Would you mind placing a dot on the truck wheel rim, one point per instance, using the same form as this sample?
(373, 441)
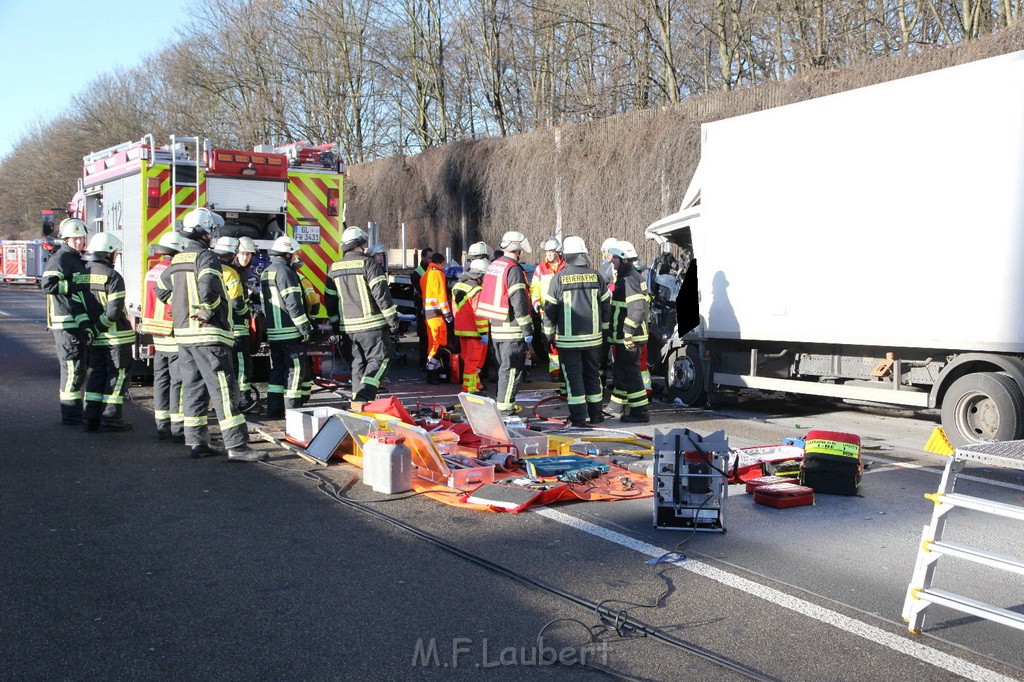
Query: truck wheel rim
(977, 416)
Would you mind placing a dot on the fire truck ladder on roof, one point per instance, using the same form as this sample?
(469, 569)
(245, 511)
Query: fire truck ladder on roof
(175, 162)
(920, 593)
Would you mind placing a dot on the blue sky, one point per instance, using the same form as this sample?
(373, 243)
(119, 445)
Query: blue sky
(52, 49)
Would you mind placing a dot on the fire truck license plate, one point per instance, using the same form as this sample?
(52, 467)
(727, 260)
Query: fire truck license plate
(307, 234)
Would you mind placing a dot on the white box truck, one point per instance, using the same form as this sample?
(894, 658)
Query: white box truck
(865, 245)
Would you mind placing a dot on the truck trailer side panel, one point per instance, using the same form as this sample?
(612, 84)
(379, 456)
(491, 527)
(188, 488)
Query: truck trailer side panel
(890, 215)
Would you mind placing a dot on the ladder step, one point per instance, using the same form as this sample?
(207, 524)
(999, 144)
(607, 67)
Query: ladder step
(1010, 511)
(978, 556)
(973, 607)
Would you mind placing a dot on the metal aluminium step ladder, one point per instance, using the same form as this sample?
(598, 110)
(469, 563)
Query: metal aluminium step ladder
(920, 593)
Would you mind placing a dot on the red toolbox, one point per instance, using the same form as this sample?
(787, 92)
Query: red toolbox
(755, 483)
(784, 495)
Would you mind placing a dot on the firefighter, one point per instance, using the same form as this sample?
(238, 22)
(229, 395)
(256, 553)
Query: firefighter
(505, 301)
(577, 310)
(379, 254)
(478, 250)
(470, 328)
(193, 285)
(542, 274)
(156, 320)
(242, 348)
(628, 335)
(110, 353)
(226, 249)
(436, 312)
(417, 301)
(288, 329)
(64, 280)
(359, 304)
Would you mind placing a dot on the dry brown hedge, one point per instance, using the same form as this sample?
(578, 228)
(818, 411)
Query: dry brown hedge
(611, 178)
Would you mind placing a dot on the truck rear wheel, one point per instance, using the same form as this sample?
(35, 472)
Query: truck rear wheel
(684, 376)
(983, 406)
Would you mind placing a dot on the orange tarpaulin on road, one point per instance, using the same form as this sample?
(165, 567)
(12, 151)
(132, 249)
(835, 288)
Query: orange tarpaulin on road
(607, 487)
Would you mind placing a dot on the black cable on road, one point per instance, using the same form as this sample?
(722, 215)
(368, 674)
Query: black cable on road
(621, 620)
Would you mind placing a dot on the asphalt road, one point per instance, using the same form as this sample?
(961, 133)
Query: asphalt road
(124, 559)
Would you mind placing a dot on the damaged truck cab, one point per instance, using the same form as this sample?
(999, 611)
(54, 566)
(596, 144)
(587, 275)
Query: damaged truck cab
(848, 247)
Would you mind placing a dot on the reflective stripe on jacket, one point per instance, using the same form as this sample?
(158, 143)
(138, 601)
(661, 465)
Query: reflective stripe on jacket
(193, 285)
(630, 305)
(105, 302)
(577, 307)
(356, 294)
(283, 303)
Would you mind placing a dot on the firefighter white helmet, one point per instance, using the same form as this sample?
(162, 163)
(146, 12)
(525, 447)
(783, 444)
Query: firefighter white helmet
(226, 246)
(607, 244)
(551, 244)
(478, 266)
(478, 250)
(375, 249)
(103, 244)
(246, 245)
(352, 238)
(623, 249)
(573, 246)
(169, 244)
(197, 222)
(283, 246)
(515, 241)
(71, 228)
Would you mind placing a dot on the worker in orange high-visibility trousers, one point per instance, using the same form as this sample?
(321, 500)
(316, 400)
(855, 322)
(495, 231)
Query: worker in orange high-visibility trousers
(436, 313)
(471, 328)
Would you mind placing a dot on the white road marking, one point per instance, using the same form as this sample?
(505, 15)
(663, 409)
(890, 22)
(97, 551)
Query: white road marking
(935, 470)
(5, 314)
(871, 633)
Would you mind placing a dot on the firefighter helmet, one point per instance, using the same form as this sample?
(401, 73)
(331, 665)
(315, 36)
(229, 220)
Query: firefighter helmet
(573, 246)
(623, 249)
(226, 246)
(283, 246)
(551, 244)
(515, 241)
(197, 222)
(607, 244)
(352, 238)
(218, 220)
(103, 244)
(478, 266)
(478, 250)
(246, 245)
(170, 244)
(375, 249)
(71, 228)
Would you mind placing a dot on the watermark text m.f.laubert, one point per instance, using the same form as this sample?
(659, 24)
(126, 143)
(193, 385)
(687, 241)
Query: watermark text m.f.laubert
(467, 652)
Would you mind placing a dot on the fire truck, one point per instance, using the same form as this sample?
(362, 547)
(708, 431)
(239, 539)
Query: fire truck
(140, 190)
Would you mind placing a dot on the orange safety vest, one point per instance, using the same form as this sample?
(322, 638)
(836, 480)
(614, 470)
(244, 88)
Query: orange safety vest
(435, 292)
(494, 296)
(156, 315)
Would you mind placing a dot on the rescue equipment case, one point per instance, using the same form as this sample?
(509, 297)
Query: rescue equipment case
(783, 495)
(832, 463)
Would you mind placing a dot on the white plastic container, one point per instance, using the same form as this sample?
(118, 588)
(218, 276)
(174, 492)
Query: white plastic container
(387, 463)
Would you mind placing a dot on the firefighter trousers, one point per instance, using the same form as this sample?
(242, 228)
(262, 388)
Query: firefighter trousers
(473, 352)
(290, 380)
(167, 394)
(107, 383)
(437, 336)
(242, 362)
(371, 355)
(73, 356)
(581, 374)
(628, 389)
(206, 378)
(511, 356)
